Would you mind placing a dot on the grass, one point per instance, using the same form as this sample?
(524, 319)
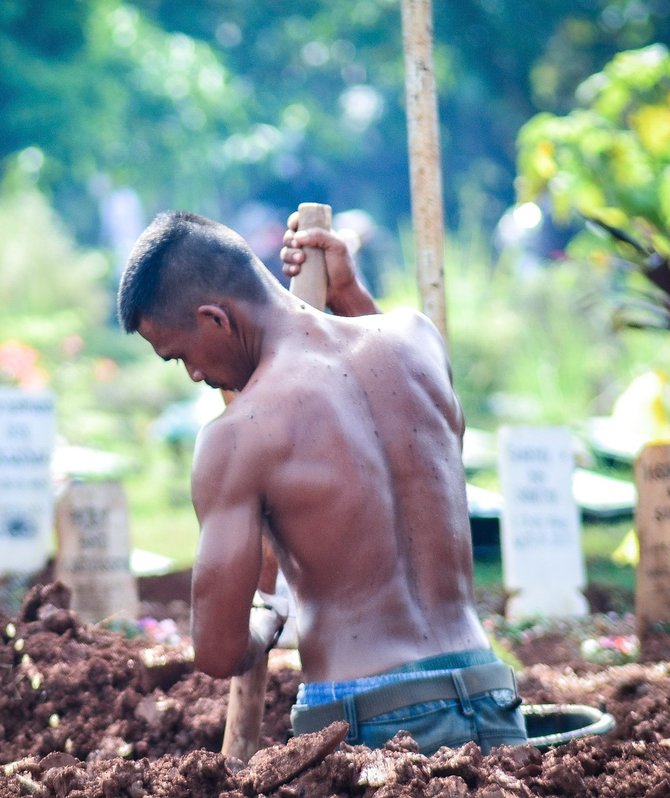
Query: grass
(162, 519)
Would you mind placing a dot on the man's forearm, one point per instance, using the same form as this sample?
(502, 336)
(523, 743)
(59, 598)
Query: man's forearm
(217, 655)
(355, 300)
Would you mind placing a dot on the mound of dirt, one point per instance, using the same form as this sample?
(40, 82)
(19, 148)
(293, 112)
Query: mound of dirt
(84, 712)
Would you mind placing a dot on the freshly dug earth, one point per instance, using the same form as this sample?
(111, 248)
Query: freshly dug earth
(82, 715)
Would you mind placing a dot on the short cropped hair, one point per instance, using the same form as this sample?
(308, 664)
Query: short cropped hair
(183, 260)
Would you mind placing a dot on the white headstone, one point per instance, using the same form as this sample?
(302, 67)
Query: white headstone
(27, 431)
(543, 562)
(94, 550)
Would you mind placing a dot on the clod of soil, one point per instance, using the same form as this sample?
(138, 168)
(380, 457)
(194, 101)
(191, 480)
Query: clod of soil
(79, 717)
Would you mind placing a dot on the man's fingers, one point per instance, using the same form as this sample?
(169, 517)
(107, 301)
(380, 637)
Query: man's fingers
(319, 238)
(289, 253)
(292, 253)
(289, 237)
(292, 222)
(291, 269)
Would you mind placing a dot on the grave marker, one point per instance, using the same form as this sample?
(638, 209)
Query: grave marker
(543, 563)
(27, 431)
(94, 550)
(652, 521)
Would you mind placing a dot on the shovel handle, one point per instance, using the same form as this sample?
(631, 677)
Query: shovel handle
(311, 283)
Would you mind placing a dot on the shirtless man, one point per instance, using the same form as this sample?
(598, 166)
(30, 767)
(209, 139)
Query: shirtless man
(344, 447)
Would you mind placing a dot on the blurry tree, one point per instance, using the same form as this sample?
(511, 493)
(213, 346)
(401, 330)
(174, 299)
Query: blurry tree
(121, 99)
(513, 58)
(323, 84)
(336, 73)
(608, 161)
(210, 104)
(50, 288)
(53, 326)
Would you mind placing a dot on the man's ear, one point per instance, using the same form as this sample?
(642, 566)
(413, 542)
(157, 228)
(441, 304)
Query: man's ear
(215, 314)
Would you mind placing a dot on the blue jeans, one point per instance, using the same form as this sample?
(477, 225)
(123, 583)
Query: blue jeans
(489, 719)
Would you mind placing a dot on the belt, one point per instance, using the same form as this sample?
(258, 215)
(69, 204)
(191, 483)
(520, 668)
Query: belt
(476, 679)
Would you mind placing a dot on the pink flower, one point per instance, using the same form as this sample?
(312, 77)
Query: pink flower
(19, 366)
(105, 369)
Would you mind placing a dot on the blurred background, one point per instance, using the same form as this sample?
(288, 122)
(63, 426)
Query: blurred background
(555, 132)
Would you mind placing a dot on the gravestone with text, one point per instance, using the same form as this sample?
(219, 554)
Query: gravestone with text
(94, 550)
(543, 562)
(652, 521)
(27, 432)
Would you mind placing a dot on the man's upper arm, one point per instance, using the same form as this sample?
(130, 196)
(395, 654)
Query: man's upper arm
(227, 502)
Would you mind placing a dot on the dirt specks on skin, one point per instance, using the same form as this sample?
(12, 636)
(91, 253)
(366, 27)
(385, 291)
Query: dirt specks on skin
(79, 718)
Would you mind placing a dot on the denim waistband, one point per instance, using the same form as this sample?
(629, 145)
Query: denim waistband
(315, 693)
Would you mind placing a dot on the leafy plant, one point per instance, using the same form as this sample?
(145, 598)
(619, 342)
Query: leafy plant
(608, 162)
(57, 328)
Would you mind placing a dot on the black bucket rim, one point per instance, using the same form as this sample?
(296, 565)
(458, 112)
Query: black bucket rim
(601, 722)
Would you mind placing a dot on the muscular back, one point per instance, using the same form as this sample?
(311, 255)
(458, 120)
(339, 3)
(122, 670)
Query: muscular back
(351, 440)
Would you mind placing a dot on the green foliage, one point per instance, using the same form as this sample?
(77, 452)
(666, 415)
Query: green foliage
(208, 105)
(609, 162)
(50, 288)
(162, 515)
(538, 349)
(56, 329)
(59, 308)
(532, 348)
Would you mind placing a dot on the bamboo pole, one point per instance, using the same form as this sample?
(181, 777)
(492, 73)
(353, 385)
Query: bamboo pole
(424, 159)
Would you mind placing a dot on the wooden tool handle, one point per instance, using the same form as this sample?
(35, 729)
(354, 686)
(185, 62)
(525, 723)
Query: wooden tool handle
(312, 282)
(244, 716)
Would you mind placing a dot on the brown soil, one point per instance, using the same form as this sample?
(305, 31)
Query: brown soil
(82, 715)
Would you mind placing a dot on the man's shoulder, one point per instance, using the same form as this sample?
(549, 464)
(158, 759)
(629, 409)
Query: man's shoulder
(404, 315)
(241, 417)
(406, 324)
(237, 450)
(249, 423)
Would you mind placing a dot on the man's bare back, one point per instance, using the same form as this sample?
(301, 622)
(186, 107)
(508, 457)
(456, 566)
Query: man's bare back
(343, 448)
(354, 457)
